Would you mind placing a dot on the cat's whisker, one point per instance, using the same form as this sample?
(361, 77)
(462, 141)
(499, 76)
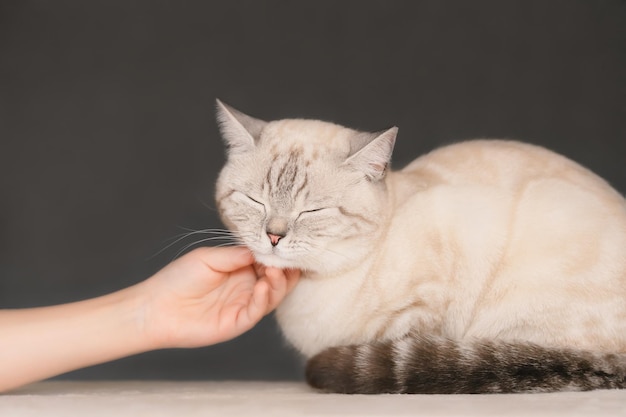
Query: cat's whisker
(232, 242)
(221, 245)
(221, 234)
(211, 230)
(190, 232)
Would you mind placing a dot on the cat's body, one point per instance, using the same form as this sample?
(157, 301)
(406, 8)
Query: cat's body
(473, 252)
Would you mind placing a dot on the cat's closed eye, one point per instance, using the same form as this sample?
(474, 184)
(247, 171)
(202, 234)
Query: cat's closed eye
(254, 200)
(312, 211)
(247, 199)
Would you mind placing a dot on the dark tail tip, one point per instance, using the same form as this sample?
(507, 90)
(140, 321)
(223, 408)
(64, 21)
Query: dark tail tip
(332, 370)
(355, 369)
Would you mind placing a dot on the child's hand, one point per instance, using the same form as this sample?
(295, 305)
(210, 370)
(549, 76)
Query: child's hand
(210, 295)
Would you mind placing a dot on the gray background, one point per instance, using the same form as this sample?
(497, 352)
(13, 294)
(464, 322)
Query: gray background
(109, 146)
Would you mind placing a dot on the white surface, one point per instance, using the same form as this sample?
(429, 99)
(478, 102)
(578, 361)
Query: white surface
(276, 399)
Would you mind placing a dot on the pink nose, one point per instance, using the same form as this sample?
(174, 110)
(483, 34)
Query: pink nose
(274, 238)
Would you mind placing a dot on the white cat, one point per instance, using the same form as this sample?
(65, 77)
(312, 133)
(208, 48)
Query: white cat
(485, 266)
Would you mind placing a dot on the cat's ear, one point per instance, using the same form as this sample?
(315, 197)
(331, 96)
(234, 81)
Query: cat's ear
(240, 131)
(370, 153)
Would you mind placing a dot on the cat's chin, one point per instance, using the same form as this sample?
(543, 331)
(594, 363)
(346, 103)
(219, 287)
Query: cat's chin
(275, 261)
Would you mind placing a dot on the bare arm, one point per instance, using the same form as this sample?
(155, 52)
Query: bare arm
(208, 296)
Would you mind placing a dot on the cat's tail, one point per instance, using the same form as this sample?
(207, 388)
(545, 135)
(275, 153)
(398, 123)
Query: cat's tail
(417, 365)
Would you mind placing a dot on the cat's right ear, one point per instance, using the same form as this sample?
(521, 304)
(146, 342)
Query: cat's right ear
(240, 131)
(371, 153)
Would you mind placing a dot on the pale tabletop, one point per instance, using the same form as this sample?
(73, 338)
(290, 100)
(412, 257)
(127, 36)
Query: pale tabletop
(276, 399)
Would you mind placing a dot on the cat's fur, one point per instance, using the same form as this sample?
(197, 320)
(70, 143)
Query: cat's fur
(484, 266)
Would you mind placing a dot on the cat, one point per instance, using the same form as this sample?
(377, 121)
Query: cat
(486, 266)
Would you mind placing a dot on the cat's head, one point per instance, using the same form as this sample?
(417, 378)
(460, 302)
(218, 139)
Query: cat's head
(303, 193)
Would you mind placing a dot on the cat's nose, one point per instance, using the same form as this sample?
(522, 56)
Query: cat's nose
(274, 238)
(276, 229)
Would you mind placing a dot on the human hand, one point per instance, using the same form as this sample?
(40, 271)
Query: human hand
(210, 295)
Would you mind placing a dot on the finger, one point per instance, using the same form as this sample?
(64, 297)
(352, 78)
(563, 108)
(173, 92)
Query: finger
(258, 305)
(274, 276)
(277, 282)
(259, 269)
(293, 276)
(225, 259)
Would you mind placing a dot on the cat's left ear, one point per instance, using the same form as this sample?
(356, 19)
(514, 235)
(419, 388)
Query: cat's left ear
(371, 153)
(240, 131)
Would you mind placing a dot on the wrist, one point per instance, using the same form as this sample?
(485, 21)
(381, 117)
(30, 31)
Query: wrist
(148, 317)
(122, 322)
(139, 305)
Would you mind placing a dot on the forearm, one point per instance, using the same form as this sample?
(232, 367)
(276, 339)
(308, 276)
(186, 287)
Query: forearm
(42, 342)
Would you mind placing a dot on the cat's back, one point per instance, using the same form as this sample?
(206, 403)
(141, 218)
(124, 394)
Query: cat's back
(504, 164)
